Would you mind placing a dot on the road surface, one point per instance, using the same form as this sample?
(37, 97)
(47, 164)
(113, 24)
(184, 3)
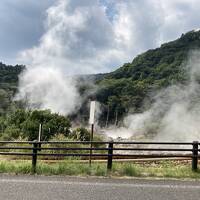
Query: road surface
(59, 188)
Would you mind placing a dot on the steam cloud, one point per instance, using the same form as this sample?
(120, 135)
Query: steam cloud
(48, 88)
(175, 115)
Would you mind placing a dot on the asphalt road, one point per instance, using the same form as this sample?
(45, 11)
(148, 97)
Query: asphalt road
(59, 188)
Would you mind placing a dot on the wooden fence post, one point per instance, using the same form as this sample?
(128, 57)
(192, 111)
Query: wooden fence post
(34, 157)
(110, 156)
(195, 155)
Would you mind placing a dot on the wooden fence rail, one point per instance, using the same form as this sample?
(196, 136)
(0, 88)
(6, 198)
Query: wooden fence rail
(109, 150)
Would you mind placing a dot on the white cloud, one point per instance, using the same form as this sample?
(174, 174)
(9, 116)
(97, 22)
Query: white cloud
(180, 16)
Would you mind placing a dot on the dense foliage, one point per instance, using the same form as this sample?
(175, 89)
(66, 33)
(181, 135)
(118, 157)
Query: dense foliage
(8, 86)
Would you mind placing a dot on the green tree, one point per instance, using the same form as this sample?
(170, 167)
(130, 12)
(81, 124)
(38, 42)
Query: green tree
(25, 124)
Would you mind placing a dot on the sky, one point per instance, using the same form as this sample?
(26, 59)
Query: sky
(89, 36)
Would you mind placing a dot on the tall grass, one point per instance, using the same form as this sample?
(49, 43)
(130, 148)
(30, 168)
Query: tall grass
(67, 167)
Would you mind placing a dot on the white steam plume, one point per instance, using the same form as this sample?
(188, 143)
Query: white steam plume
(175, 115)
(48, 88)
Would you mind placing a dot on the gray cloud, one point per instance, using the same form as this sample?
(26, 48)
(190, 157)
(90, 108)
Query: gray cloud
(77, 37)
(21, 25)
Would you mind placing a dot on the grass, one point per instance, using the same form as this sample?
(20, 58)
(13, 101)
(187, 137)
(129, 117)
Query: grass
(162, 169)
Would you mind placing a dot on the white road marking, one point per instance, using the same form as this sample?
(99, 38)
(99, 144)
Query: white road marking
(131, 185)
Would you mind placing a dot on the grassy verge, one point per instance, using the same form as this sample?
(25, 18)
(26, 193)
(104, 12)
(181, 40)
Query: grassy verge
(161, 169)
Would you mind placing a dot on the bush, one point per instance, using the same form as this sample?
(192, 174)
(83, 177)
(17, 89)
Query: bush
(11, 132)
(81, 134)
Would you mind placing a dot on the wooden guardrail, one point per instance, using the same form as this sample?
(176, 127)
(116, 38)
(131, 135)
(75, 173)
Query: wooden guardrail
(109, 150)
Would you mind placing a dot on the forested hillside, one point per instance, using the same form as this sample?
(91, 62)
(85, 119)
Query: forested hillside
(8, 85)
(128, 88)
